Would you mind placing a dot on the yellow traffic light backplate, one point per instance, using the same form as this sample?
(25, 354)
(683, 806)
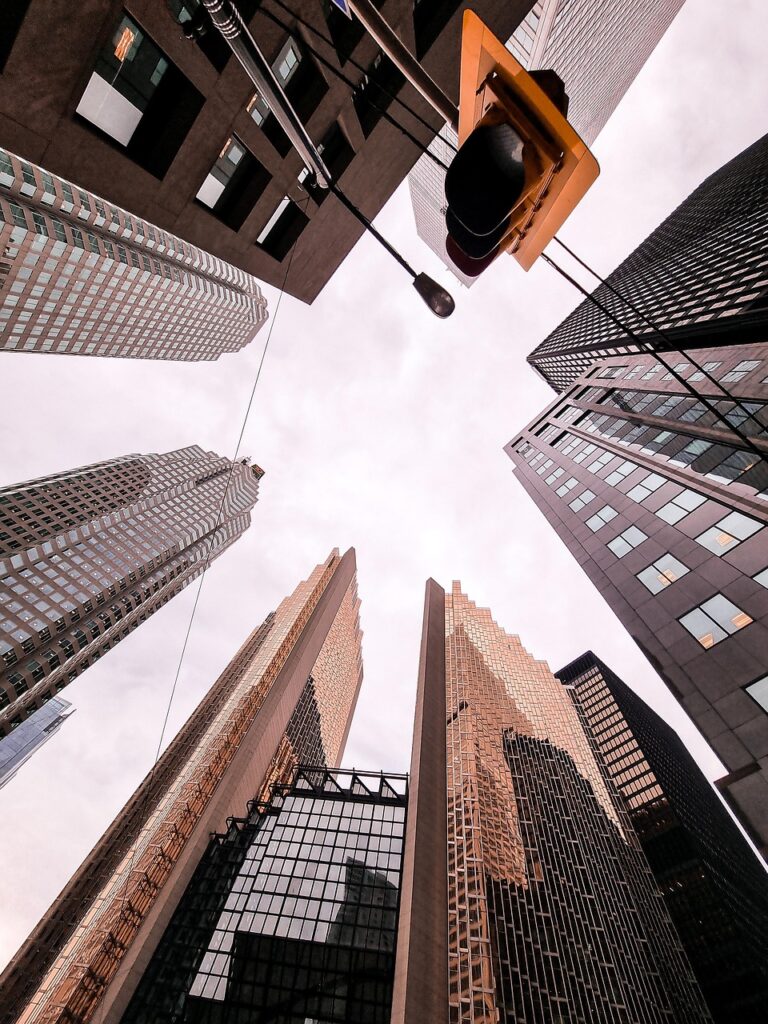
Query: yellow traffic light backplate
(492, 78)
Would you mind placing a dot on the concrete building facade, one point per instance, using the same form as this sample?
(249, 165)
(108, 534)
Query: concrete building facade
(715, 888)
(88, 555)
(80, 276)
(662, 497)
(286, 697)
(598, 47)
(171, 129)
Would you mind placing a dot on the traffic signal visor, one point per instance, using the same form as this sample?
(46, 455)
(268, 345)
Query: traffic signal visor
(520, 169)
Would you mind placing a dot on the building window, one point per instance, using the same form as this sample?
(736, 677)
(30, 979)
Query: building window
(647, 486)
(621, 472)
(283, 228)
(138, 98)
(583, 499)
(714, 620)
(610, 372)
(234, 184)
(706, 367)
(564, 489)
(762, 578)
(554, 476)
(758, 691)
(626, 541)
(598, 521)
(680, 506)
(298, 74)
(740, 370)
(661, 573)
(728, 533)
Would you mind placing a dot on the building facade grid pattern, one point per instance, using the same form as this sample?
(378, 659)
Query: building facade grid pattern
(80, 276)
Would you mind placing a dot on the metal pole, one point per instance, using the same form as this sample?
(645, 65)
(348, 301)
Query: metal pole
(227, 20)
(403, 59)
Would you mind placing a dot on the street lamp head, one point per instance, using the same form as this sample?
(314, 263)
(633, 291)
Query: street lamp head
(436, 297)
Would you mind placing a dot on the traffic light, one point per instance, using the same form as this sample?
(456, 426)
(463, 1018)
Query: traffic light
(521, 168)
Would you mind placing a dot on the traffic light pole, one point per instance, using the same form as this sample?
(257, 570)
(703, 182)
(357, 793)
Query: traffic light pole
(403, 59)
(226, 18)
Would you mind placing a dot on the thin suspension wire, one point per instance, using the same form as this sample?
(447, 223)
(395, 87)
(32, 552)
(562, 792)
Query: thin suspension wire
(354, 85)
(652, 325)
(212, 535)
(646, 348)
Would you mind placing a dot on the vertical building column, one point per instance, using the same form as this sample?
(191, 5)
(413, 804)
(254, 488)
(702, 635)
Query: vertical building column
(421, 970)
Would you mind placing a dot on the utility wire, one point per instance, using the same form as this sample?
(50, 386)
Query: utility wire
(212, 535)
(657, 330)
(645, 346)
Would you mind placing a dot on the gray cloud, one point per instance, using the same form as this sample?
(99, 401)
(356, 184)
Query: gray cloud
(378, 426)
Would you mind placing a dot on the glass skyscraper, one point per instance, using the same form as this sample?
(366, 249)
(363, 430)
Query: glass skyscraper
(700, 277)
(89, 554)
(597, 47)
(80, 276)
(285, 699)
(552, 912)
(714, 887)
(291, 914)
(30, 735)
(662, 497)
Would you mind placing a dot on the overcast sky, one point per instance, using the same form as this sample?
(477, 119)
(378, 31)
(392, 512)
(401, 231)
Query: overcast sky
(379, 427)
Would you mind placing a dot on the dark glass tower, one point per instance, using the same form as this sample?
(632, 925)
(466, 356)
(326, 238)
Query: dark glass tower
(665, 507)
(700, 277)
(544, 909)
(291, 914)
(714, 886)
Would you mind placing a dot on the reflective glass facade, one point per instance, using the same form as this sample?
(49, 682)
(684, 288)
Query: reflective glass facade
(31, 735)
(87, 555)
(681, 554)
(701, 277)
(80, 276)
(292, 913)
(714, 886)
(598, 47)
(552, 912)
(289, 692)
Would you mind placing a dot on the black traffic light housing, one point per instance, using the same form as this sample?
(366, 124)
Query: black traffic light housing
(520, 168)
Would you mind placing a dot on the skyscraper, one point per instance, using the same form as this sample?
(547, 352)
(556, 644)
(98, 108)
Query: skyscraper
(30, 735)
(598, 47)
(287, 697)
(664, 507)
(700, 277)
(80, 276)
(715, 889)
(292, 914)
(172, 129)
(87, 555)
(545, 909)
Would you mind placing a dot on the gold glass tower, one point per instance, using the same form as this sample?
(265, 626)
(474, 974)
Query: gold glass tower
(286, 697)
(544, 908)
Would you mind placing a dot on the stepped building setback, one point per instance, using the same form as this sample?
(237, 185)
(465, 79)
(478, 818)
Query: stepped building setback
(715, 888)
(285, 699)
(79, 276)
(88, 555)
